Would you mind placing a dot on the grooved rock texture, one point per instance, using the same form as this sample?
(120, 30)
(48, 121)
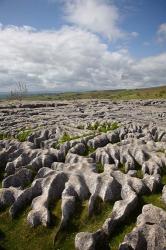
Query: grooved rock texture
(150, 230)
(73, 158)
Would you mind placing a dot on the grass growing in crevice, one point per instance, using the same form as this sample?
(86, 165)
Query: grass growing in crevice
(20, 136)
(16, 234)
(126, 227)
(1, 178)
(121, 167)
(2, 170)
(163, 179)
(56, 145)
(66, 137)
(4, 136)
(99, 167)
(139, 170)
(89, 150)
(102, 210)
(93, 126)
(81, 222)
(34, 172)
(103, 127)
(113, 126)
(120, 233)
(55, 209)
(154, 199)
(139, 174)
(163, 176)
(23, 135)
(162, 150)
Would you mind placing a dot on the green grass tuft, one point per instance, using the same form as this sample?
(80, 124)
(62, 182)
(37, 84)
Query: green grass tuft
(103, 127)
(120, 233)
(122, 168)
(16, 234)
(154, 199)
(99, 167)
(81, 222)
(4, 136)
(23, 135)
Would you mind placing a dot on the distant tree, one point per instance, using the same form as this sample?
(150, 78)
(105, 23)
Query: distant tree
(19, 93)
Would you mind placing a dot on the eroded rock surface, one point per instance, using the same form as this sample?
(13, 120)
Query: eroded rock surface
(150, 231)
(73, 158)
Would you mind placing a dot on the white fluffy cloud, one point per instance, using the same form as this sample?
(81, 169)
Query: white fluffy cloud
(161, 33)
(98, 16)
(69, 59)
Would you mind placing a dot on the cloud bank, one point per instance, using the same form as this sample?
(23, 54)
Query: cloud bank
(69, 59)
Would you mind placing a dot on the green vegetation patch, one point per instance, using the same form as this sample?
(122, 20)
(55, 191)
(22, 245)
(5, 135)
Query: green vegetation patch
(154, 199)
(4, 136)
(120, 233)
(122, 168)
(81, 222)
(23, 135)
(139, 170)
(64, 138)
(139, 174)
(1, 178)
(123, 94)
(163, 179)
(89, 150)
(126, 227)
(99, 167)
(20, 136)
(16, 234)
(67, 137)
(103, 127)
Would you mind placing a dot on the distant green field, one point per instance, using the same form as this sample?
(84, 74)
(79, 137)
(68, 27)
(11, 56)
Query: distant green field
(147, 93)
(123, 94)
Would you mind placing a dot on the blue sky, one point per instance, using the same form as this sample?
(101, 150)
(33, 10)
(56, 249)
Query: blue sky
(125, 31)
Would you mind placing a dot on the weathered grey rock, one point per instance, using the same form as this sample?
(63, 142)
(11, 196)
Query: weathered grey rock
(79, 149)
(44, 160)
(21, 179)
(8, 196)
(52, 188)
(113, 137)
(150, 230)
(68, 204)
(91, 241)
(43, 172)
(132, 173)
(152, 182)
(136, 184)
(66, 173)
(121, 209)
(98, 141)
